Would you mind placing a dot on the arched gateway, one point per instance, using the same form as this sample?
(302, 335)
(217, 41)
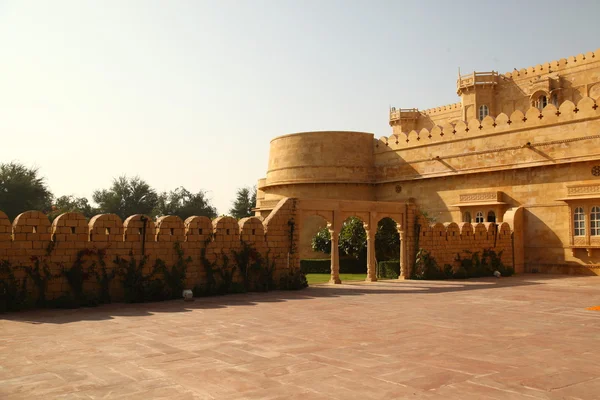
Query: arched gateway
(335, 212)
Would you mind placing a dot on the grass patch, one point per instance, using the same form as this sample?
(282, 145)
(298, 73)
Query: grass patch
(324, 278)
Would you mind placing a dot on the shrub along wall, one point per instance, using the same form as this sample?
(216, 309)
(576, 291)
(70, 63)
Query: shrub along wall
(461, 250)
(388, 269)
(75, 262)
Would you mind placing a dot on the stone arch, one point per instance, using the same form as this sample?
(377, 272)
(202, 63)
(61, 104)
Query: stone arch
(389, 250)
(169, 228)
(310, 223)
(534, 99)
(397, 218)
(105, 228)
(365, 217)
(326, 215)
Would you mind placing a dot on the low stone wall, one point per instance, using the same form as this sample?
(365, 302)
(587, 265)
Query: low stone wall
(31, 237)
(445, 241)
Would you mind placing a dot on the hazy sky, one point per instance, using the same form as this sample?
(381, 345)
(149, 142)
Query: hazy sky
(189, 93)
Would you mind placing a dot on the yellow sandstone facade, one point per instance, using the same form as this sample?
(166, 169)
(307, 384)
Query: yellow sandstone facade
(519, 154)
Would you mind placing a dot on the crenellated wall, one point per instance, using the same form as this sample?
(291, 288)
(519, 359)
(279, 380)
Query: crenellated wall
(31, 233)
(567, 112)
(571, 79)
(542, 161)
(445, 240)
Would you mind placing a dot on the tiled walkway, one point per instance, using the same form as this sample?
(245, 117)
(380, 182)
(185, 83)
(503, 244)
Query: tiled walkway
(511, 338)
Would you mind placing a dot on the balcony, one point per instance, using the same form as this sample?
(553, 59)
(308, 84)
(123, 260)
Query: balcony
(397, 114)
(470, 81)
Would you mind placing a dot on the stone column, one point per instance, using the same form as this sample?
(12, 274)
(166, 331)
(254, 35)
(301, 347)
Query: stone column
(335, 257)
(404, 273)
(371, 267)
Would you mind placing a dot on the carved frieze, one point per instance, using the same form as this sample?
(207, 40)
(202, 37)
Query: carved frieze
(486, 196)
(583, 189)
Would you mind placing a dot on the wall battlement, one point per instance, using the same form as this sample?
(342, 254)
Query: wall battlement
(554, 66)
(586, 108)
(31, 234)
(444, 108)
(445, 241)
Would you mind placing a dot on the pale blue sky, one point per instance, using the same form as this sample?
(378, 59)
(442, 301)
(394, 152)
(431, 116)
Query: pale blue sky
(189, 93)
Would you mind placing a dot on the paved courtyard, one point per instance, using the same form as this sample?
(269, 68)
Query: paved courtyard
(511, 338)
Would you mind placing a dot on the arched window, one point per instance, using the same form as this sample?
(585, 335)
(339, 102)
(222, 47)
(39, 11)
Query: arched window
(491, 217)
(595, 221)
(479, 217)
(467, 217)
(541, 102)
(554, 100)
(484, 111)
(579, 222)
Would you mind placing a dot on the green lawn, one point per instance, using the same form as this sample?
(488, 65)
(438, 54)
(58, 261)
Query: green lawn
(323, 278)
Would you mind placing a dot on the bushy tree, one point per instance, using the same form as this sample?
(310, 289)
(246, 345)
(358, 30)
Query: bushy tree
(244, 202)
(65, 204)
(22, 189)
(127, 196)
(184, 204)
(387, 240)
(352, 239)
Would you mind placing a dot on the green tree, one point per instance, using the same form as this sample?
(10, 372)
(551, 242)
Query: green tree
(22, 189)
(184, 204)
(65, 204)
(127, 196)
(244, 202)
(353, 240)
(387, 240)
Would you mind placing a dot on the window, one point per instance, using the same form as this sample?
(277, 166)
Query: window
(467, 217)
(479, 217)
(541, 102)
(491, 217)
(483, 112)
(595, 221)
(554, 100)
(579, 222)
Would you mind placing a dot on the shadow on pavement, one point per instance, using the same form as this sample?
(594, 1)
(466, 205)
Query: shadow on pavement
(353, 288)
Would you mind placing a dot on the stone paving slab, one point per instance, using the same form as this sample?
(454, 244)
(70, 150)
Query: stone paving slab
(526, 337)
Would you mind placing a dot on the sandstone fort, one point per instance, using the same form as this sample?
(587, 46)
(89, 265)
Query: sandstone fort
(514, 166)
